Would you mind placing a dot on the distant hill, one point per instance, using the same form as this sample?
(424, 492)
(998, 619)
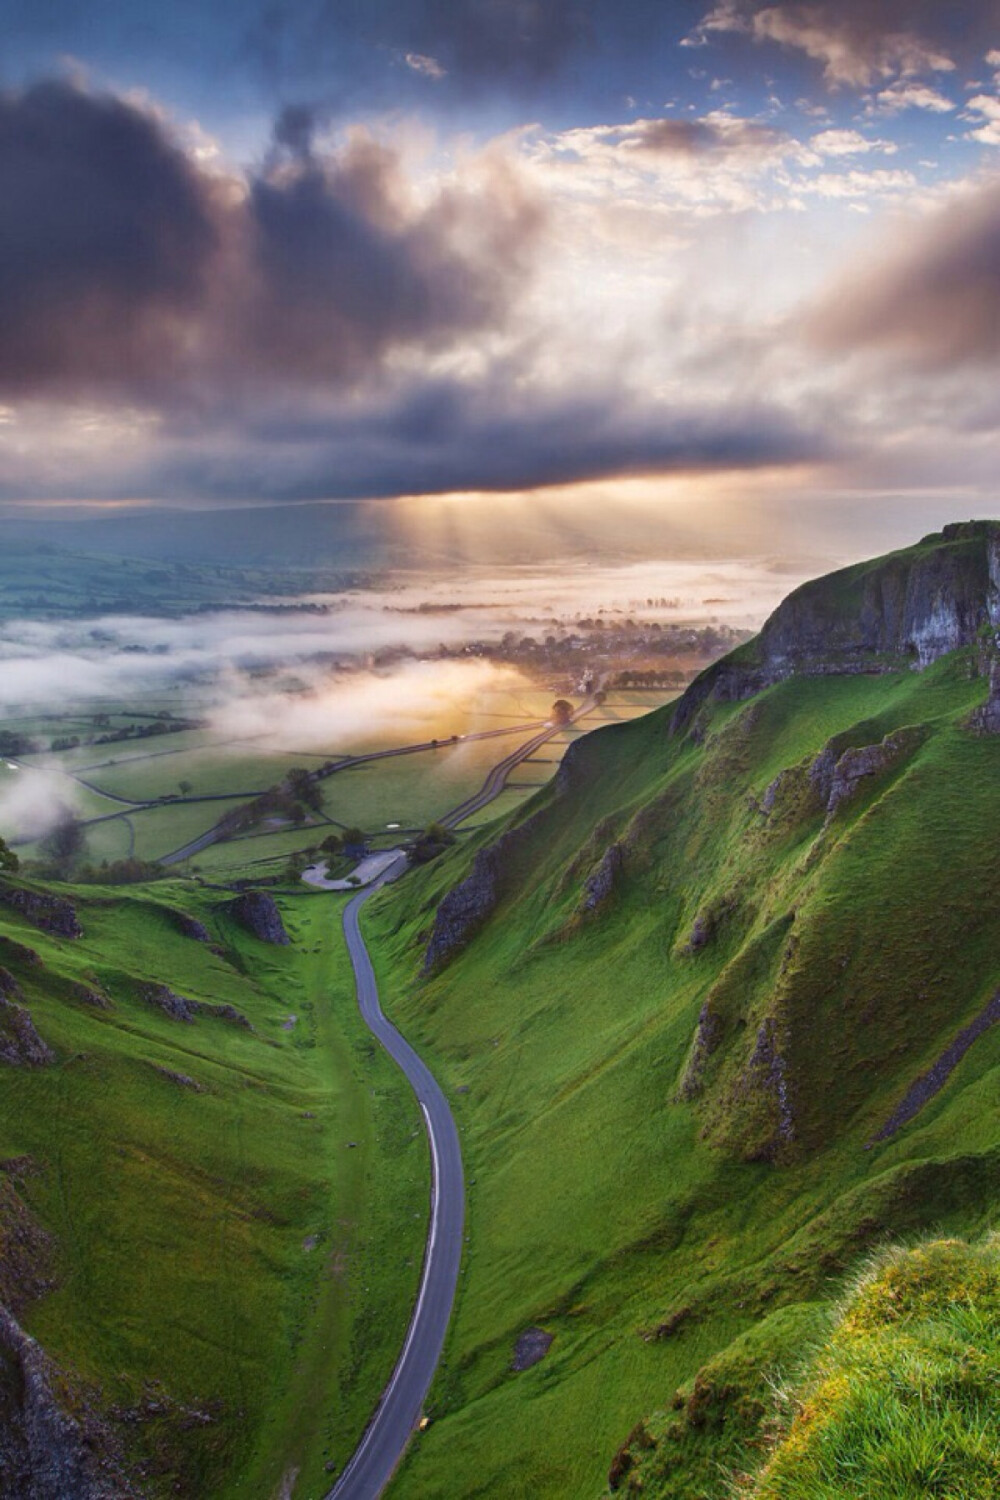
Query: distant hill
(719, 1012)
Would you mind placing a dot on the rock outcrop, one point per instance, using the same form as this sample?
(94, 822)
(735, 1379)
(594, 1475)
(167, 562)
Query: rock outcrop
(837, 774)
(706, 1038)
(766, 1077)
(18, 953)
(470, 903)
(905, 610)
(930, 1083)
(20, 1044)
(259, 914)
(179, 1008)
(190, 927)
(46, 1453)
(599, 887)
(987, 718)
(48, 913)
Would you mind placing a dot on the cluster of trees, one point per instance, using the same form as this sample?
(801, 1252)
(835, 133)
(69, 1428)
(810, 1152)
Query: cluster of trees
(434, 840)
(142, 731)
(13, 743)
(121, 872)
(650, 678)
(294, 798)
(9, 862)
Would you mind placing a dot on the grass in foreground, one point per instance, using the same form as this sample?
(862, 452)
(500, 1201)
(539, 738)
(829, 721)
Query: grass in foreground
(901, 1403)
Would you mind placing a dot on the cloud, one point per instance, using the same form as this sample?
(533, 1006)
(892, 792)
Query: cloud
(716, 135)
(415, 700)
(859, 43)
(35, 800)
(984, 112)
(503, 433)
(107, 237)
(428, 67)
(935, 301)
(849, 143)
(128, 268)
(908, 95)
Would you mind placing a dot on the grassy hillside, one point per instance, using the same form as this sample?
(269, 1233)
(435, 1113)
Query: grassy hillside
(671, 1064)
(900, 1402)
(232, 1214)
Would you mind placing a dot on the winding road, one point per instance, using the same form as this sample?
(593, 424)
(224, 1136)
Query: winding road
(371, 1466)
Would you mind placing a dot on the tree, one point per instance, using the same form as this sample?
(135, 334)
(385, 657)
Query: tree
(355, 842)
(9, 862)
(330, 845)
(562, 711)
(185, 787)
(304, 787)
(65, 845)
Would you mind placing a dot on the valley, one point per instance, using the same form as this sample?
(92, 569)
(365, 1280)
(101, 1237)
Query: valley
(710, 997)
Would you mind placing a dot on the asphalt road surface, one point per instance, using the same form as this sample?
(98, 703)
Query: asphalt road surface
(400, 1406)
(497, 778)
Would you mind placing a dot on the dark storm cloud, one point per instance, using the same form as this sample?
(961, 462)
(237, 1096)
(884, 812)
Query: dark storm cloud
(125, 269)
(936, 302)
(444, 437)
(344, 272)
(106, 235)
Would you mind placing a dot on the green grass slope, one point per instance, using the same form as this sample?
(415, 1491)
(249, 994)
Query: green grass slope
(234, 1214)
(670, 1076)
(900, 1402)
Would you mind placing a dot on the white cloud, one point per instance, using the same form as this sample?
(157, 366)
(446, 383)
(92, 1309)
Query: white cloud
(984, 113)
(849, 143)
(905, 95)
(857, 60)
(725, 17)
(428, 67)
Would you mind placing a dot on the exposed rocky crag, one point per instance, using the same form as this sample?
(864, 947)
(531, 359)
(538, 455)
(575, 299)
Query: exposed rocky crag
(837, 774)
(707, 1035)
(179, 1008)
(49, 913)
(766, 1076)
(468, 905)
(20, 1044)
(18, 953)
(259, 914)
(930, 1083)
(907, 609)
(190, 927)
(45, 1453)
(987, 718)
(599, 887)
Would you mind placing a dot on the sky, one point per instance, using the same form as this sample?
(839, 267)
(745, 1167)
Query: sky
(267, 250)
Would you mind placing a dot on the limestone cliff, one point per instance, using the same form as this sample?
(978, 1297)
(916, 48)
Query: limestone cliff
(904, 610)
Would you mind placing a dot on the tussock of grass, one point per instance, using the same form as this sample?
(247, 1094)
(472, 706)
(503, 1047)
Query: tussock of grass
(901, 1402)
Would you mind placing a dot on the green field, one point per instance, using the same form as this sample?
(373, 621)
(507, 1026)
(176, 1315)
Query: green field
(604, 1208)
(411, 790)
(248, 1250)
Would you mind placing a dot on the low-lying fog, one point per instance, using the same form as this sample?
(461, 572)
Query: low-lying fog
(300, 680)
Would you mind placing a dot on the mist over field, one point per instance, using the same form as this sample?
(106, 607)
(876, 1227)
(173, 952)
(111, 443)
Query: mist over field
(47, 663)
